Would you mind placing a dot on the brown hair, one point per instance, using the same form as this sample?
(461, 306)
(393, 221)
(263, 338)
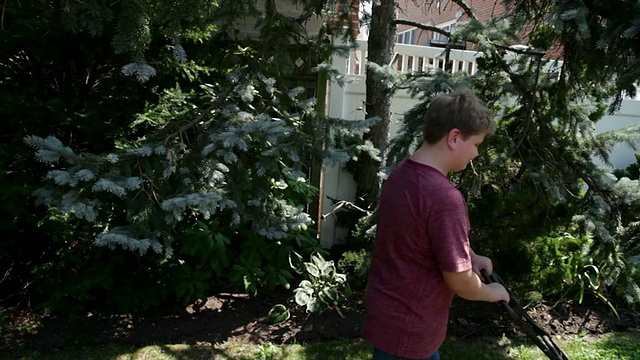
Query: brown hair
(460, 110)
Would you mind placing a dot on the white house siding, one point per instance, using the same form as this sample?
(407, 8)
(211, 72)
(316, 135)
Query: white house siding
(622, 155)
(336, 183)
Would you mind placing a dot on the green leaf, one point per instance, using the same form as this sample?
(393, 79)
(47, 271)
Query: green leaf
(296, 261)
(181, 289)
(331, 294)
(208, 244)
(302, 298)
(214, 263)
(314, 306)
(202, 274)
(221, 250)
(312, 269)
(278, 314)
(286, 273)
(318, 260)
(306, 284)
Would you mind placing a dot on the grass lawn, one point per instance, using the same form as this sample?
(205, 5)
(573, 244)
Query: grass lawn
(623, 346)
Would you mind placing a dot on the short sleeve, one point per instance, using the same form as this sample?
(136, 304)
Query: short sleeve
(448, 231)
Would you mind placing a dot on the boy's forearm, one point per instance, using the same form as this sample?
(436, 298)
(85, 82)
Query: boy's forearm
(467, 285)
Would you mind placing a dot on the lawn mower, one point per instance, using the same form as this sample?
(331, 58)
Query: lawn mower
(525, 322)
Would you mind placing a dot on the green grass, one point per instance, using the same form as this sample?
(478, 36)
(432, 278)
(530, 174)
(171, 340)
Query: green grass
(618, 346)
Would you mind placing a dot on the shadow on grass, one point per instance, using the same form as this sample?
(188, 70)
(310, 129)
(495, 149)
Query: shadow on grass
(608, 347)
(459, 349)
(617, 346)
(485, 348)
(338, 350)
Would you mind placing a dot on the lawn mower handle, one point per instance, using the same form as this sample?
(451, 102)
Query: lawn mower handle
(536, 333)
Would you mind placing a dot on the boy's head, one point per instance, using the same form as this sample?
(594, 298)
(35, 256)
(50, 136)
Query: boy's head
(460, 110)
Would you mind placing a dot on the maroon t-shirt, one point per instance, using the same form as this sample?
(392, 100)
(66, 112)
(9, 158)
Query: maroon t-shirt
(423, 230)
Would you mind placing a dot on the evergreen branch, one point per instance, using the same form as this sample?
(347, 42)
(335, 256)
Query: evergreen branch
(343, 203)
(421, 26)
(518, 50)
(151, 194)
(534, 107)
(511, 48)
(4, 8)
(579, 170)
(193, 123)
(522, 87)
(467, 9)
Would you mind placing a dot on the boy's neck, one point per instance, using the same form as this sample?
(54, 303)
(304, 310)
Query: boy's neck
(434, 155)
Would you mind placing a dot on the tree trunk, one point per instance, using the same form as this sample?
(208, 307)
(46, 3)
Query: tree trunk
(381, 43)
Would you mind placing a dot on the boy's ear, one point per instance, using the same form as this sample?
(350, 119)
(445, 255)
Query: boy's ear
(454, 136)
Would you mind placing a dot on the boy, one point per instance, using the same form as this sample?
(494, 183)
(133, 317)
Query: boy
(422, 255)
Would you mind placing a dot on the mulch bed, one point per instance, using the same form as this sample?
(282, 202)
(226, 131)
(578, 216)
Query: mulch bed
(238, 318)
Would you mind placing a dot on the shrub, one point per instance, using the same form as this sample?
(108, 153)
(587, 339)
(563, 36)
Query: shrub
(322, 286)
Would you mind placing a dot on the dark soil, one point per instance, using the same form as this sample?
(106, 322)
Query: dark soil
(233, 318)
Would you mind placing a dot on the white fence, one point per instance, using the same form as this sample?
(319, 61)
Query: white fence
(413, 58)
(347, 102)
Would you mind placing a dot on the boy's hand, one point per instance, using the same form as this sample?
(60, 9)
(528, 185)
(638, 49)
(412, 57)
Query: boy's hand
(479, 263)
(498, 292)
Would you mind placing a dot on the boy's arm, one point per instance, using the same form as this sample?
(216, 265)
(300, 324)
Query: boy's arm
(468, 285)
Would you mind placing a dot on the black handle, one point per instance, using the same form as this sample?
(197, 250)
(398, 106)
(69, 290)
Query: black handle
(494, 278)
(536, 333)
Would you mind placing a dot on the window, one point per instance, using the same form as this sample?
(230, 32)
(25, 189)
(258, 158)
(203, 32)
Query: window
(451, 28)
(440, 40)
(408, 37)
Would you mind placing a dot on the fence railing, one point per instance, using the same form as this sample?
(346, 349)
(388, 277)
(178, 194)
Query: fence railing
(416, 58)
